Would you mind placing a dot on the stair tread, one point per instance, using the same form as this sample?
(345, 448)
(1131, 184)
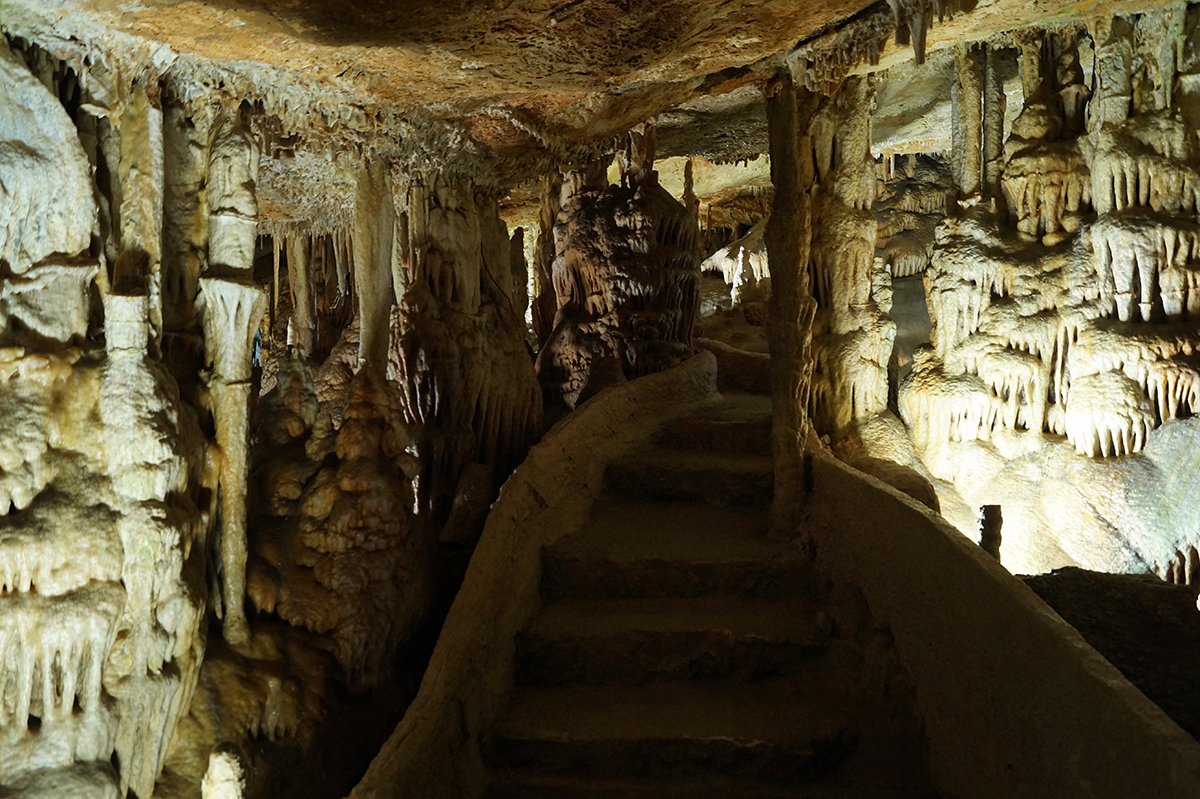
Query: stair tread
(735, 406)
(673, 530)
(521, 783)
(779, 710)
(684, 460)
(746, 617)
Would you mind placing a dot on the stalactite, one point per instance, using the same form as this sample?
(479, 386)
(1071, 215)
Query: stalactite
(907, 213)
(302, 325)
(141, 173)
(993, 121)
(374, 218)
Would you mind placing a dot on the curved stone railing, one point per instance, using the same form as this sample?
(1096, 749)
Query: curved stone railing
(434, 751)
(1014, 701)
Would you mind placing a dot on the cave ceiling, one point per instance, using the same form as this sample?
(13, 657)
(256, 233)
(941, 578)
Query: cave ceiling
(511, 78)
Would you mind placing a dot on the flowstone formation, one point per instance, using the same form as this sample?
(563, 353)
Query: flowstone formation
(1063, 303)
(626, 276)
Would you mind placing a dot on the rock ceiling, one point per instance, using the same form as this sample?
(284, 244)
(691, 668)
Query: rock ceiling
(508, 77)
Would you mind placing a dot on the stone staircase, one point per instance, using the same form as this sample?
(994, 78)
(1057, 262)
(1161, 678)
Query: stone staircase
(680, 653)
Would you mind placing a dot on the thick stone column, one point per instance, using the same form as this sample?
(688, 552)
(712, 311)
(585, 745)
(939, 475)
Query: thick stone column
(993, 122)
(966, 150)
(788, 238)
(233, 310)
(626, 275)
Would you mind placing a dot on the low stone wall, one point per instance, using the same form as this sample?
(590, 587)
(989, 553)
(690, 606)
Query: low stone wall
(1015, 702)
(434, 751)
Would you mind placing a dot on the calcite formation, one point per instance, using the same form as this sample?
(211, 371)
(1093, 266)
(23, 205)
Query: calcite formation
(626, 276)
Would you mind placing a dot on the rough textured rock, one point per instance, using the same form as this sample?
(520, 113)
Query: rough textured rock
(625, 274)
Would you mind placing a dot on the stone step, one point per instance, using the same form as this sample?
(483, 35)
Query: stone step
(630, 640)
(679, 549)
(531, 785)
(718, 478)
(790, 731)
(739, 423)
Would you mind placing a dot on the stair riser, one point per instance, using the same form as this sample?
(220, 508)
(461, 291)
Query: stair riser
(714, 486)
(650, 656)
(779, 762)
(596, 579)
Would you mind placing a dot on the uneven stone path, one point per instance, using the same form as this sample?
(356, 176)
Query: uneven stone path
(682, 653)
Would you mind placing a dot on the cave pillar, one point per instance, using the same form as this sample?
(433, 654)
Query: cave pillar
(374, 223)
(140, 166)
(545, 302)
(1114, 64)
(967, 96)
(233, 310)
(993, 122)
(788, 239)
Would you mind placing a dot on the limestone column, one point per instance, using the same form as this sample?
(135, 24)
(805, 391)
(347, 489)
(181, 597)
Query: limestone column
(545, 302)
(993, 122)
(233, 310)
(788, 238)
(141, 172)
(967, 126)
